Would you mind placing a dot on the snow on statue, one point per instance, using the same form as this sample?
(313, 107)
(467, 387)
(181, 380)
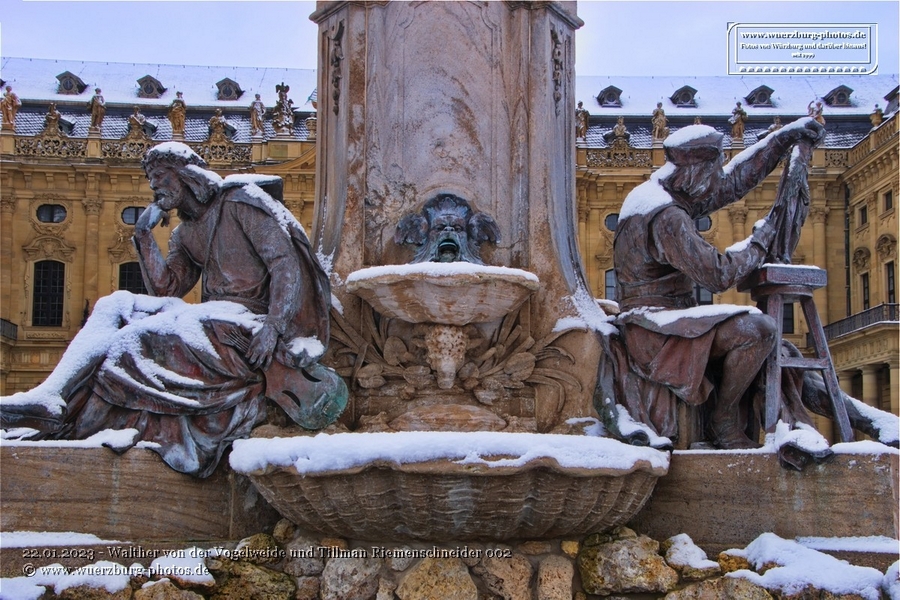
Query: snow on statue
(190, 379)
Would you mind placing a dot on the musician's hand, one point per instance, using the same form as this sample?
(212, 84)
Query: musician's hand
(262, 347)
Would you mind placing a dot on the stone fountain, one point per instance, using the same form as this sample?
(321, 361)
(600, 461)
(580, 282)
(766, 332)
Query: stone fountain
(446, 218)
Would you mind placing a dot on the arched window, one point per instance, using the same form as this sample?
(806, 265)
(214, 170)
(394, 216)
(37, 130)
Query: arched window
(130, 278)
(49, 288)
(611, 221)
(51, 213)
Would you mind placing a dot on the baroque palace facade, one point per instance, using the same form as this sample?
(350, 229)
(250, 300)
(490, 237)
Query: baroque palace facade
(71, 186)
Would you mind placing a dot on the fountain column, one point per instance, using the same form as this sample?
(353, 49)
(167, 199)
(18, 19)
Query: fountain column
(470, 98)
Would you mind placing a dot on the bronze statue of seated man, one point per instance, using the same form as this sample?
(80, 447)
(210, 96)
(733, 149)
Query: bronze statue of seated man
(668, 349)
(192, 378)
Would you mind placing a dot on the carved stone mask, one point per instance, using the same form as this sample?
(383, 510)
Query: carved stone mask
(447, 230)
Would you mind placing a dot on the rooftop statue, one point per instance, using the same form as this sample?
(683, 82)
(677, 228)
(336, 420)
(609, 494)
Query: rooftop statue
(192, 378)
(737, 120)
(177, 112)
(659, 121)
(9, 106)
(283, 113)
(815, 109)
(257, 116)
(97, 106)
(667, 349)
(582, 116)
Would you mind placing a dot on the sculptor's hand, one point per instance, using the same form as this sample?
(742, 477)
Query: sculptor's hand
(150, 218)
(262, 346)
(813, 131)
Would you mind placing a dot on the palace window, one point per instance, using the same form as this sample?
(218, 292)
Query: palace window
(864, 287)
(131, 214)
(704, 296)
(888, 200)
(611, 221)
(787, 318)
(610, 287)
(863, 215)
(49, 288)
(890, 282)
(51, 213)
(130, 278)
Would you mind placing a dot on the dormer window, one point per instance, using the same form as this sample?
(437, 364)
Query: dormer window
(229, 89)
(839, 96)
(684, 97)
(610, 97)
(149, 87)
(70, 84)
(761, 96)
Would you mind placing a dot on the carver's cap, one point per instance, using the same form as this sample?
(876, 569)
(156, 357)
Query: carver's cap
(693, 144)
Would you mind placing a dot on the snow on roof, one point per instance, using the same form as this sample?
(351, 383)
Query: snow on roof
(717, 95)
(35, 79)
(333, 452)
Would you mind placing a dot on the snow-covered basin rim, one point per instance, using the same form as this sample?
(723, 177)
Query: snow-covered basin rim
(445, 453)
(442, 274)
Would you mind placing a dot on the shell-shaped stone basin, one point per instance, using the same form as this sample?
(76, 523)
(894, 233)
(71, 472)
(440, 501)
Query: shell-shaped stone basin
(430, 486)
(456, 293)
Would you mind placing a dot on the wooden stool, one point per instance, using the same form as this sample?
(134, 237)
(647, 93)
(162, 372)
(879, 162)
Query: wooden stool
(771, 286)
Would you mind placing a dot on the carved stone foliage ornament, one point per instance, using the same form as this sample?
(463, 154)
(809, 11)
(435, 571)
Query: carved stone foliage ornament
(556, 55)
(862, 258)
(886, 247)
(47, 247)
(335, 58)
(493, 368)
(52, 142)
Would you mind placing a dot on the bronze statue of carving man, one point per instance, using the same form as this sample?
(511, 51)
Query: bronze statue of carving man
(192, 378)
(667, 348)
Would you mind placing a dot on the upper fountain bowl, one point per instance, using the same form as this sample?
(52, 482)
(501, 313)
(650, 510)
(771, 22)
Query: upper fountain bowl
(456, 293)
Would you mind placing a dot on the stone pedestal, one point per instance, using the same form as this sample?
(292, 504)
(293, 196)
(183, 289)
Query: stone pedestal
(473, 99)
(133, 497)
(727, 499)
